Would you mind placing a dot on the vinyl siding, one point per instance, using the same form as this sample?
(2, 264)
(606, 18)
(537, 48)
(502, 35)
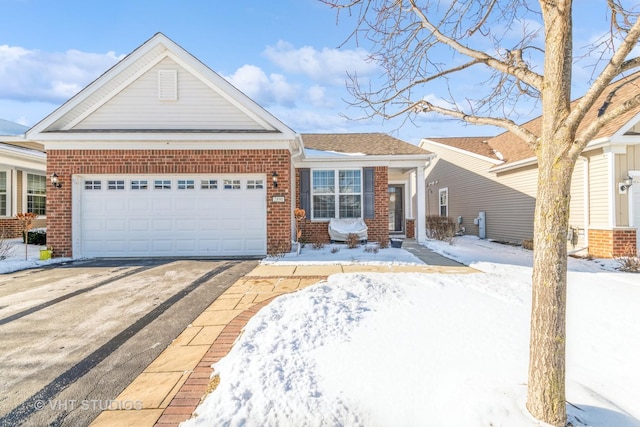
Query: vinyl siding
(599, 190)
(508, 199)
(198, 107)
(105, 90)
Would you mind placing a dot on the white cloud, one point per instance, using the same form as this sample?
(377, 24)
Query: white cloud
(33, 75)
(262, 88)
(316, 95)
(326, 65)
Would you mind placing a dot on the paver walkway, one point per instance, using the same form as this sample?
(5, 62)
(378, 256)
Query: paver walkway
(171, 387)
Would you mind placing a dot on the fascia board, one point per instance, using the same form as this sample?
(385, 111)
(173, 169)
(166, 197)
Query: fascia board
(426, 141)
(406, 161)
(170, 144)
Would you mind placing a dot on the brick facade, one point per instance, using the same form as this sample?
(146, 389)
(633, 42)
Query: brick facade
(318, 231)
(66, 163)
(611, 243)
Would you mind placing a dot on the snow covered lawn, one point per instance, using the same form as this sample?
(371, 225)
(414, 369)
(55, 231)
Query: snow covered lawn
(16, 259)
(430, 350)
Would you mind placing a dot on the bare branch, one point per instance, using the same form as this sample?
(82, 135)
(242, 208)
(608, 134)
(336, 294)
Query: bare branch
(525, 74)
(613, 68)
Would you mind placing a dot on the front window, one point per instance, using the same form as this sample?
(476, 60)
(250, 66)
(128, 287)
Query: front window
(3, 193)
(36, 195)
(443, 201)
(337, 194)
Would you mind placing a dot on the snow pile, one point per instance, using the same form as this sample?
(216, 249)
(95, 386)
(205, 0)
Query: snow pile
(425, 349)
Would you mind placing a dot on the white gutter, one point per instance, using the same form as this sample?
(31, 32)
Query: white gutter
(515, 165)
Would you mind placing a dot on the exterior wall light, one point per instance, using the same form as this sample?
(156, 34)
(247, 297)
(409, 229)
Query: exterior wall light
(626, 183)
(274, 179)
(54, 180)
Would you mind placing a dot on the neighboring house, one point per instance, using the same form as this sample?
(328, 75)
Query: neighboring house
(160, 156)
(498, 176)
(22, 178)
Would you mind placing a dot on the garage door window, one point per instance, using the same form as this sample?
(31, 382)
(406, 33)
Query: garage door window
(232, 184)
(255, 184)
(115, 185)
(93, 185)
(139, 184)
(186, 184)
(209, 184)
(160, 184)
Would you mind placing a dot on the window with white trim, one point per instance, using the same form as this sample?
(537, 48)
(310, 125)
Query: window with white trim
(93, 185)
(209, 184)
(186, 184)
(3, 193)
(336, 193)
(36, 194)
(443, 201)
(115, 184)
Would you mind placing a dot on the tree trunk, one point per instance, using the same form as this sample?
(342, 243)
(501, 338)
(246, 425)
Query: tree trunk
(546, 387)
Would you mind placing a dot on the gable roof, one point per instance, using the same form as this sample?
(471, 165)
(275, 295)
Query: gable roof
(513, 149)
(360, 143)
(225, 109)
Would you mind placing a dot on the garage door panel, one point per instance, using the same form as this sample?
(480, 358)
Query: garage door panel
(173, 222)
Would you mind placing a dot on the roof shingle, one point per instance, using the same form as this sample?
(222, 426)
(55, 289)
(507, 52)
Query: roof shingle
(365, 143)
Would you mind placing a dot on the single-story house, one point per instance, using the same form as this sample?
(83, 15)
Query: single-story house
(160, 156)
(489, 184)
(22, 178)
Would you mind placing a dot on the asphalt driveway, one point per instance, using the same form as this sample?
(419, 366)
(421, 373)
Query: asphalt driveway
(73, 336)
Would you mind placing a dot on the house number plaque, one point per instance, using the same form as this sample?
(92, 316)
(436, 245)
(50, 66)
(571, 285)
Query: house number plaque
(278, 199)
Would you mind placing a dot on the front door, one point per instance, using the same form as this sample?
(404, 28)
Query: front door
(396, 209)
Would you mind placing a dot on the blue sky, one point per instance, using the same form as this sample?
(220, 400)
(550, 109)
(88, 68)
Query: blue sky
(285, 54)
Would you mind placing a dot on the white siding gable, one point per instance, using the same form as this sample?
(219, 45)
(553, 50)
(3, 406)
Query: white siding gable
(197, 107)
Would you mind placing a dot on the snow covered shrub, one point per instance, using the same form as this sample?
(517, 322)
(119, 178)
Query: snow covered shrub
(441, 228)
(630, 262)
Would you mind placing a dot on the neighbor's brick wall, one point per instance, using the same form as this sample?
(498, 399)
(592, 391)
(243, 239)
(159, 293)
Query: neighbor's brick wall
(611, 243)
(318, 231)
(69, 162)
(11, 228)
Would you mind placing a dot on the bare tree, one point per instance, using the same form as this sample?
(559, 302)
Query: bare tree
(522, 50)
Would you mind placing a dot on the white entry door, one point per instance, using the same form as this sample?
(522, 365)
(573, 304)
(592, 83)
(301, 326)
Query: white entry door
(169, 215)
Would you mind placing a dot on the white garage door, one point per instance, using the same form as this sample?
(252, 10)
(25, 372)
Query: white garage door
(196, 215)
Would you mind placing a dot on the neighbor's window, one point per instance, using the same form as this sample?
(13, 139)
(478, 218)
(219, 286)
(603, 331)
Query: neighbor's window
(336, 193)
(443, 201)
(36, 194)
(3, 193)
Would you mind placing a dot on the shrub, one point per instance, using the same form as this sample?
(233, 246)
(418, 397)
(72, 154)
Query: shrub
(37, 237)
(441, 228)
(277, 251)
(630, 262)
(352, 241)
(371, 249)
(5, 245)
(335, 249)
(383, 244)
(527, 244)
(317, 245)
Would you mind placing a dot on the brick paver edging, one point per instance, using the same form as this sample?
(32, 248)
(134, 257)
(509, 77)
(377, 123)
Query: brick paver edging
(193, 390)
